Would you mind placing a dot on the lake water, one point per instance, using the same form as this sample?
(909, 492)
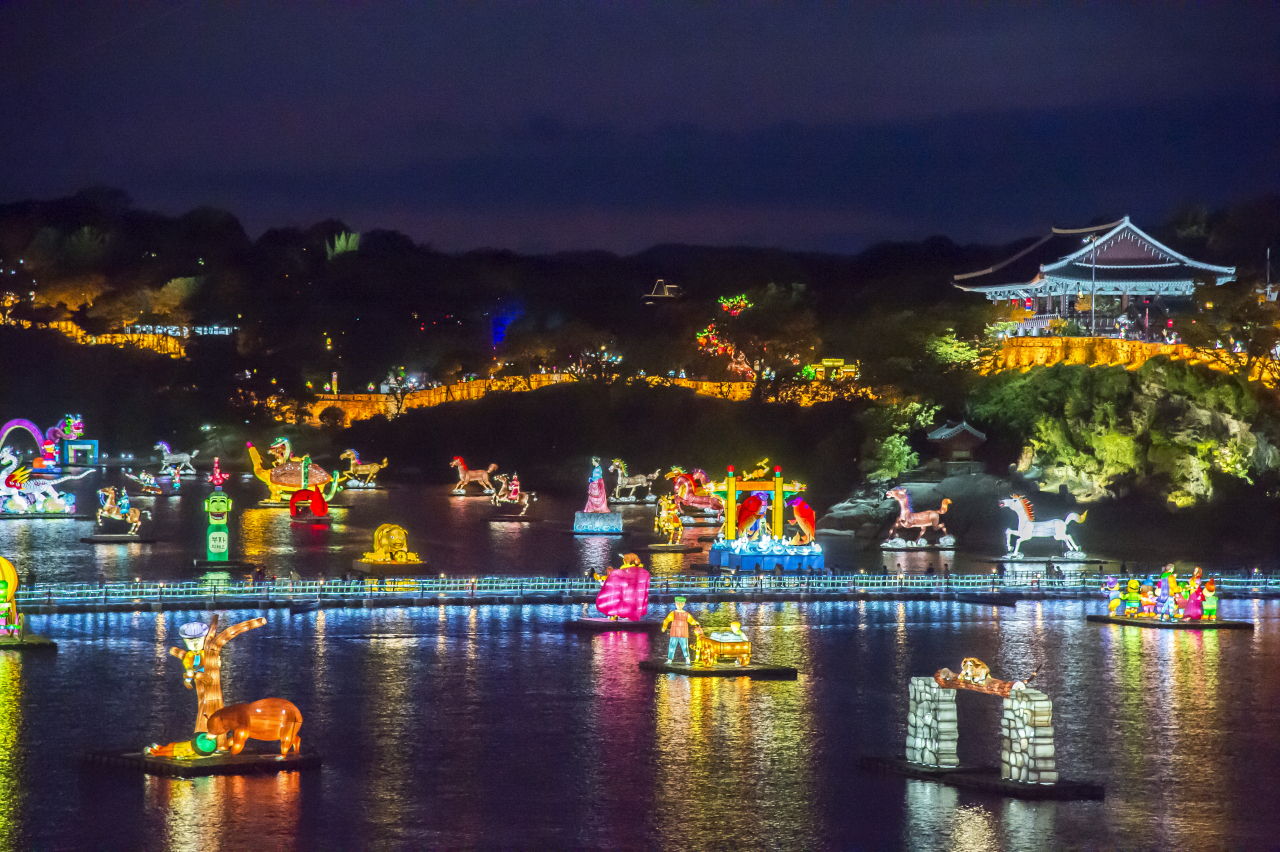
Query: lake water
(456, 535)
(492, 727)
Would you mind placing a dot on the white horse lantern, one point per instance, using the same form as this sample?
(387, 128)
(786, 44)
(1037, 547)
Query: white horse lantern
(1029, 527)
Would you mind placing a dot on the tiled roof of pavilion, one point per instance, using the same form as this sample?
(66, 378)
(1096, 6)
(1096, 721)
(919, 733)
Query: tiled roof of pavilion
(1115, 259)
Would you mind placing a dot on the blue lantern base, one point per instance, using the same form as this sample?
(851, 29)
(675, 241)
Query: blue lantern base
(603, 523)
(749, 557)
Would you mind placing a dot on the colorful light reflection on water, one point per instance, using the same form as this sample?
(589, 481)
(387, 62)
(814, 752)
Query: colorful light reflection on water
(493, 727)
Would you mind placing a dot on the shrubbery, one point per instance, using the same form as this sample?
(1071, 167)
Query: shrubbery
(1169, 426)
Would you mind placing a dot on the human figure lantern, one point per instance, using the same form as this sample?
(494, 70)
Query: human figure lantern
(219, 728)
(678, 621)
(113, 504)
(666, 520)
(753, 535)
(1029, 528)
(217, 539)
(910, 519)
(202, 662)
(290, 473)
(597, 491)
(624, 592)
(509, 491)
(597, 518)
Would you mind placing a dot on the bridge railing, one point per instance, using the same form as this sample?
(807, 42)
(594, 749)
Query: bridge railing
(229, 592)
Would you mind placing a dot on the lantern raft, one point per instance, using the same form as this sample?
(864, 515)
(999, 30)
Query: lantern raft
(1028, 762)
(766, 548)
(623, 598)
(217, 744)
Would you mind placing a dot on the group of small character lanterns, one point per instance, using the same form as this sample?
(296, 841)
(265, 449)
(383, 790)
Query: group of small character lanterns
(1164, 599)
(221, 729)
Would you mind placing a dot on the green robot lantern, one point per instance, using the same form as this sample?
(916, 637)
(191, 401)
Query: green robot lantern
(218, 505)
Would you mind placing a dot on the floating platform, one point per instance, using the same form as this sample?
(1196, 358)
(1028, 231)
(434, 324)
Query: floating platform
(1170, 625)
(30, 642)
(485, 494)
(388, 569)
(987, 600)
(303, 606)
(45, 516)
(928, 548)
(118, 538)
(609, 625)
(283, 504)
(221, 764)
(515, 519)
(223, 563)
(622, 534)
(758, 671)
(673, 548)
(733, 561)
(987, 780)
(313, 521)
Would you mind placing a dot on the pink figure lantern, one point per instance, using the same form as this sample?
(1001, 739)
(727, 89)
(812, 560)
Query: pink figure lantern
(625, 594)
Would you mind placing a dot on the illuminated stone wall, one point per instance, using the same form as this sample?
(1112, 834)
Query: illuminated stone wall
(362, 406)
(1021, 353)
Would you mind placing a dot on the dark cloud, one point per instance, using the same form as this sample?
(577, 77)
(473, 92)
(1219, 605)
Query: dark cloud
(621, 126)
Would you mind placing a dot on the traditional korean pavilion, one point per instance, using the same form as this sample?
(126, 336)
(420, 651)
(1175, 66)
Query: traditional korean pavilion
(1100, 274)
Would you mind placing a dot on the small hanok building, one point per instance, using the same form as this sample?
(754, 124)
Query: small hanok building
(955, 443)
(1107, 279)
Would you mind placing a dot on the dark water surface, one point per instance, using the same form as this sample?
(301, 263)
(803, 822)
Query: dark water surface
(491, 727)
(457, 536)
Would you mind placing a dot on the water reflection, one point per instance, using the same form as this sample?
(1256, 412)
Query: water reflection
(12, 752)
(202, 813)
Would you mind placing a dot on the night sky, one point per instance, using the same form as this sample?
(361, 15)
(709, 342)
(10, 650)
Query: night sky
(542, 127)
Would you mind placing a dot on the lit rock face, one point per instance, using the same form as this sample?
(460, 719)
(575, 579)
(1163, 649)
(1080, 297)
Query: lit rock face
(1026, 744)
(932, 734)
